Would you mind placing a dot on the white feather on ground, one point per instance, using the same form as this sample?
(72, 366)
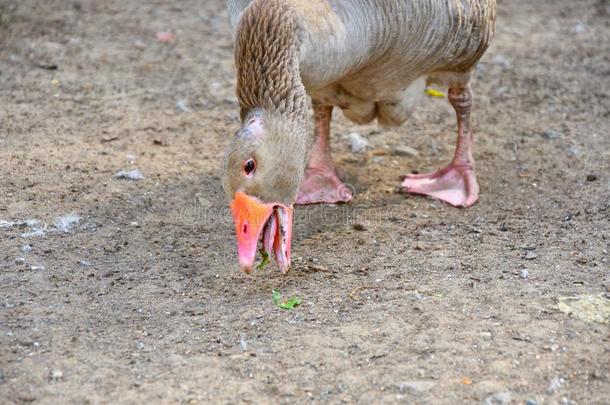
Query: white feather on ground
(357, 142)
(66, 222)
(36, 227)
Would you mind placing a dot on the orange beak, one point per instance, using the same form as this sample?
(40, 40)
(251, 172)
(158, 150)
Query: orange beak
(255, 220)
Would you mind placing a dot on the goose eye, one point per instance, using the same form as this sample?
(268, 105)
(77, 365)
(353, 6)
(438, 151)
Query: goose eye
(249, 167)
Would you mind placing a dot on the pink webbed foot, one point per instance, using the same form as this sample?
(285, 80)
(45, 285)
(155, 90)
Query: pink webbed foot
(323, 186)
(454, 184)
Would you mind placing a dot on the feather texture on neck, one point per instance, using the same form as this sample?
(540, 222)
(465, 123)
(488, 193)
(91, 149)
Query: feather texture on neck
(267, 60)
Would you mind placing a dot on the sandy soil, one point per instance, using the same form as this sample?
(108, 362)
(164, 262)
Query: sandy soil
(405, 299)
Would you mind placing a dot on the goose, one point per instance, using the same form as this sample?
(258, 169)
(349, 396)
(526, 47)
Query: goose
(370, 58)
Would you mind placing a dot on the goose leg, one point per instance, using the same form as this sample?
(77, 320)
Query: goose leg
(456, 183)
(321, 183)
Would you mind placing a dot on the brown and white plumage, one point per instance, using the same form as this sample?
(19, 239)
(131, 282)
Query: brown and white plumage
(359, 51)
(369, 58)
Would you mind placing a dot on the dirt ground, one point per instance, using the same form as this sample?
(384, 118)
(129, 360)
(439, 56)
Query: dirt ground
(404, 299)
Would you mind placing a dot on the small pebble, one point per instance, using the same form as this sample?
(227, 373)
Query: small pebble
(531, 402)
(133, 175)
(578, 28)
(530, 255)
(26, 248)
(56, 375)
(574, 151)
(503, 227)
(501, 91)
(359, 227)
(591, 177)
(525, 274)
(500, 398)
(405, 151)
(555, 385)
(568, 216)
(550, 135)
(182, 105)
(501, 60)
(415, 387)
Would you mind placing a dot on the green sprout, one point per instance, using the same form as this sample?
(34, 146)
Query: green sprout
(288, 303)
(263, 262)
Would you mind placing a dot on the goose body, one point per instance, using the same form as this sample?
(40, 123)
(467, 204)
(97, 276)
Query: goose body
(370, 58)
(364, 55)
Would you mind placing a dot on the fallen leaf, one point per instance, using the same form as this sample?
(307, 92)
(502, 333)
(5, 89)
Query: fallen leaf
(588, 308)
(435, 93)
